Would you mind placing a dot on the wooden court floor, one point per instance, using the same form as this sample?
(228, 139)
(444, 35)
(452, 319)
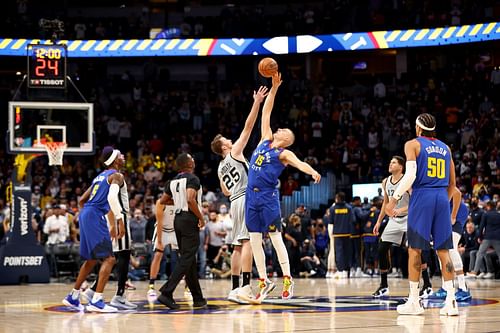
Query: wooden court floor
(320, 305)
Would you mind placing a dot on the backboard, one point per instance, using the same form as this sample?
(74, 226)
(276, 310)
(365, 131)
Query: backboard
(32, 123)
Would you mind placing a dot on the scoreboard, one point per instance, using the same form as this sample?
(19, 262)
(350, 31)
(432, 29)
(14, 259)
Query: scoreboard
(46, 66)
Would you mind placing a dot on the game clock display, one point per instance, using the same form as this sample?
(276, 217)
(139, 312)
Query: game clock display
(46, 66)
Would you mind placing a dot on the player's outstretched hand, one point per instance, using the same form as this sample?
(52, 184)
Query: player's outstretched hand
(277, 80)
(260, 94)
(317, 177)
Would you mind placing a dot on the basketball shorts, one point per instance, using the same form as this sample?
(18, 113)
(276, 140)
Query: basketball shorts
(125, 242)
(95, 241)
(429, 218)
(167, 238)
(395, 230)
(262, 211)
(237, 212)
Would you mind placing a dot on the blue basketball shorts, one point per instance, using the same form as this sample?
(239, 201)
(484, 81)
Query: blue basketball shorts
(458, 226)
(429, 219)
(262, 211)
(95, 240)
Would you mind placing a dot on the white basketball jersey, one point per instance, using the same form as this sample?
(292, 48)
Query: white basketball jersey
(168, 218)
(123, 199)
(234, 175)
(391, 187)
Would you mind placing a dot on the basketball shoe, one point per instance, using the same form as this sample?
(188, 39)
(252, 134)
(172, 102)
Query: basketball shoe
(87, 295)
(100, 306)
(411, 307)
(381, 292)
(72, 302)
(233, 296)
(245, 295)
(450, 308)
(463, 296)
(287, 292)
(151, 295)
(426, 292)
(120, 302)
(266, 286)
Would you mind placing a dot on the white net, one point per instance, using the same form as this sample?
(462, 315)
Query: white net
(55, 152)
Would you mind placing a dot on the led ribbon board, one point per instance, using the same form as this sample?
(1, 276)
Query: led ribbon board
(265, 46)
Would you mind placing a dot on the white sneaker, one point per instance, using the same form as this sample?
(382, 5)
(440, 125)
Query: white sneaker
(329, 275)
(411, 307)
(450, 308)
(233, 296)
(337, 275)
(120, 302)
(151, 296)
(481, 275)
(489, 275)
(344, 275)
(358, 273)
(87, 295)
(100, 306)
(245, 295)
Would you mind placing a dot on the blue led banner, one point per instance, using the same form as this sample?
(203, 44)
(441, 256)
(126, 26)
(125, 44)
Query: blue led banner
(265, 46)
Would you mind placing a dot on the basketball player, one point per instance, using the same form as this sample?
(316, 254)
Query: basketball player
(233, 176)
(163, 236)
(395, 230)
(121, 250)
(185, 190)
(459, 214)
(95, 236)
(430, 172)
(262, 211)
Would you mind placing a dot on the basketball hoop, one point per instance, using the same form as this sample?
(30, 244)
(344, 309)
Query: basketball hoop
(55, 151)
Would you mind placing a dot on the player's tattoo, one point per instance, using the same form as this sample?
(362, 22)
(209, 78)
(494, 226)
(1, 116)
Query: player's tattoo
(449, 267)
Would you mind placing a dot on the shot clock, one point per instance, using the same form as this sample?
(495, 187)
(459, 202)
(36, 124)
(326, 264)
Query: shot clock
(46, 66)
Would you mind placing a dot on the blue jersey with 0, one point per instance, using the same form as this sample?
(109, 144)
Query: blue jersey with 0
(98, 199)
(433, 164)
(265, 167)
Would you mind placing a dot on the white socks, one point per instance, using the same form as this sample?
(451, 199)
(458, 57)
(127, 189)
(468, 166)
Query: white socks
(461, 282)
(413, 290)
(75, 293)
(258, 253)
(450, 289)
(97, 297)
(280, 248)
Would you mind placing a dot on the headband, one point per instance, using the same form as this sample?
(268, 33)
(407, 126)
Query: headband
(425, 128)
(112, 158)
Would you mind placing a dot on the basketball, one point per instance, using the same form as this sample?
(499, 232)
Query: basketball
(268, 67)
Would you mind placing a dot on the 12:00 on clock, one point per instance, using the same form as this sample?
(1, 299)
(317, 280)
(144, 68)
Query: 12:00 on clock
(46, 66)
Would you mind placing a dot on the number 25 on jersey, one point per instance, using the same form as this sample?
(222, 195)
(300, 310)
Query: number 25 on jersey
(436, 168)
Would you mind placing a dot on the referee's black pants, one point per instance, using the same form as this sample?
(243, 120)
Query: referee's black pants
(188, 239)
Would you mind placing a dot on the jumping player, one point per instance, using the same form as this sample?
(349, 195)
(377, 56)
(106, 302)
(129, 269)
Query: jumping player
(95, 236)
(430, 172)
(233, 177)
(262, 211)
(395, 231)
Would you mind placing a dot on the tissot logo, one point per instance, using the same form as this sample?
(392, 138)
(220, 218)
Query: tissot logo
(23, 216)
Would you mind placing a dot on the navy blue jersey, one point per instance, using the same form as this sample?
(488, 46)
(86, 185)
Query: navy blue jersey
(265, 167)
(433, 164)
(98, 199)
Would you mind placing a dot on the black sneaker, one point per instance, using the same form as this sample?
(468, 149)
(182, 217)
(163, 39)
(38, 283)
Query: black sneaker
(381, 292)
(200, 303)
(168, 301)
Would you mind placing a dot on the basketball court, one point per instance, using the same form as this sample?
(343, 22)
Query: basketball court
(319, 305)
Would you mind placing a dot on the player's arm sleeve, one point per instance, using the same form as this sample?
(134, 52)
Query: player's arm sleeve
(167, 188)
(114, 204)
(407, 180)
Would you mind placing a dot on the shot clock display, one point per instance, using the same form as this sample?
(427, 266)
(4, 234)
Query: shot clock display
(46, 66)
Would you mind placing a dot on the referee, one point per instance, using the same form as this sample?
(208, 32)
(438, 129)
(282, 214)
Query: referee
(185, 190)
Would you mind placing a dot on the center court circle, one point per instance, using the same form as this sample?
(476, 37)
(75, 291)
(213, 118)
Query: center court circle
(299, 304)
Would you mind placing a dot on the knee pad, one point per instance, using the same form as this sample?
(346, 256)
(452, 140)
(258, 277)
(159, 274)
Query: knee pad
(383, 255)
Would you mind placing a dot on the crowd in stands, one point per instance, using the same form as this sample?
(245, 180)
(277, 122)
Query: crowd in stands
(250, 19)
